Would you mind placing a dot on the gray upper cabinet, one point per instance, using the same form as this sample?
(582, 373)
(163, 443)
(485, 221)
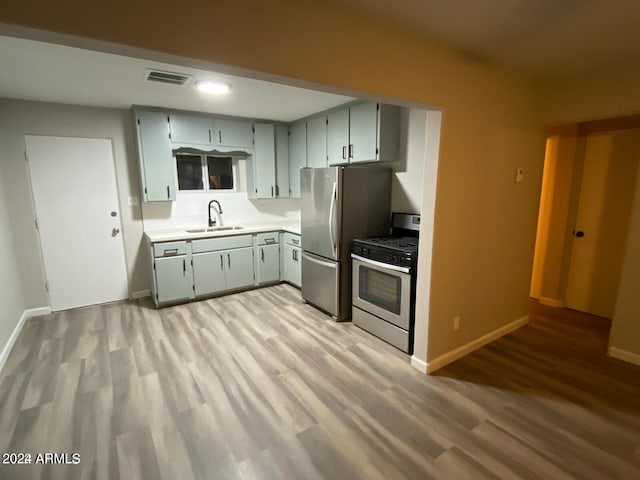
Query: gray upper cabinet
(264, 161)
(338, 137)
(157, 169)
(232, 133)
(297, 156)
(374, 132)
(268, 171)
(190, 129)
(317, 142)
(364, 132)
(282, 161)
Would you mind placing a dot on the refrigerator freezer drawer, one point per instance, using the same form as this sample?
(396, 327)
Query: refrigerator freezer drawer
(320, 282)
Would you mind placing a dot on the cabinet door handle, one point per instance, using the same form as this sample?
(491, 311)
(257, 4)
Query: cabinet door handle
(277, 190)
(262, 254)
(168, 192)
(272, 190)
(209, 135)
(184, 267)
(220, 136)
(344, 152)
(350, 151)
(221, 262)
(229, 260)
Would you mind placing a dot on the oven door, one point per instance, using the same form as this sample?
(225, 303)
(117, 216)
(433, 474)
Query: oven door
(382, 290)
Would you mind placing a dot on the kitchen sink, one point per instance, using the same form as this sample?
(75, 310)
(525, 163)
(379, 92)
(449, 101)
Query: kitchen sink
(221, 228)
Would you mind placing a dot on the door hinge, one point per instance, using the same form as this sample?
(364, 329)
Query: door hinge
(154, 266)
(37, 224)
(194, 288)
(377, 106)
(327, 121)
(253, 129)
(192, 266)
(145, 190)
(377, 151)
(46, 286)
(157, 298)
(138, 120)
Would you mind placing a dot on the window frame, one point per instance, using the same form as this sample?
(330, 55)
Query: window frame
(204, 172)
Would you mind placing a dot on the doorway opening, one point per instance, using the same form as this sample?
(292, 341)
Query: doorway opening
(588, 185)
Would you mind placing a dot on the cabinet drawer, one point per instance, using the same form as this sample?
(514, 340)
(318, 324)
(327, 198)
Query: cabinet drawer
(220, 243)
(169, 249)
(292, 239)
(267, 238)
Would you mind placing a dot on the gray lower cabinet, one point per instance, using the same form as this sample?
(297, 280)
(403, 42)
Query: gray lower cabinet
(239, 268)
(183, 269)
(222, 263)
(208, 273)
(268, 263)
(291, 265)
(174, 280)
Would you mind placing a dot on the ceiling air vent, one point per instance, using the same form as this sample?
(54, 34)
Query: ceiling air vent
(171, 78)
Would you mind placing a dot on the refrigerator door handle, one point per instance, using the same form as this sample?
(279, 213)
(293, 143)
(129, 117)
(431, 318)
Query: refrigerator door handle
(332, 211)
(319, 262)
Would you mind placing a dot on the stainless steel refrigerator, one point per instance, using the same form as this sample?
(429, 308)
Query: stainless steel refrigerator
(337, 205)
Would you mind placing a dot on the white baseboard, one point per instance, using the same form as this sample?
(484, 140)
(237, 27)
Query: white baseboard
(460, 352)
(27, 314)
(140, 294)
(551, 302)
(624, 355)
(418, 364)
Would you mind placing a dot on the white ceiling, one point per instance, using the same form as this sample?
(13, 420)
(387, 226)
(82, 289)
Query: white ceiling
(548, 39)
(48, 72)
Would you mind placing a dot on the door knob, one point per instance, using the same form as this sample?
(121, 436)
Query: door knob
(578, 234)
(115, 232)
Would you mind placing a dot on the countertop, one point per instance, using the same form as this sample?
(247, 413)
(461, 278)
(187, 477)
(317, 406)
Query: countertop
(176, 234)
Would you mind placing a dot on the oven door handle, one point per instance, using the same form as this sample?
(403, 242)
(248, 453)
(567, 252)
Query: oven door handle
(395, 268)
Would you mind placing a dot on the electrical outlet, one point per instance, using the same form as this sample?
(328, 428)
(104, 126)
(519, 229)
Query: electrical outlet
(456, 323)
(519, 175)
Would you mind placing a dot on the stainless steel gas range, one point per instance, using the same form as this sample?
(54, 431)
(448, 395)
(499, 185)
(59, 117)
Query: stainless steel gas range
(384, 282)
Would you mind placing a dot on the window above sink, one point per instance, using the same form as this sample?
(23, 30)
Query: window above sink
(205, 173)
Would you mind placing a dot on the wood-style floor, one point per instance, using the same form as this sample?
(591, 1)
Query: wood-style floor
(258, 386)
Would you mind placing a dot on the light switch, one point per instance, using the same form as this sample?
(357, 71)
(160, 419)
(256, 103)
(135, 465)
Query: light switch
(519, 175)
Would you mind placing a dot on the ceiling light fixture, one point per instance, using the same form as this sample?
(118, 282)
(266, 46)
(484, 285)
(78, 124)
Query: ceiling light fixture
(212, 86)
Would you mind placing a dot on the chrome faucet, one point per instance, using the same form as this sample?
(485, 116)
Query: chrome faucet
(218, 217)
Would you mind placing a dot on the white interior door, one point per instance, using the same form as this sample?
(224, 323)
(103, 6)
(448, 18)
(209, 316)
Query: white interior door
(76, 202)
(608, 182)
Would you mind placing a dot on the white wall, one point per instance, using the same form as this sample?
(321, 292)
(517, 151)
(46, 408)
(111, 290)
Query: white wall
(190, 209)
(18, 118)
(12, 302)
(406, 189)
